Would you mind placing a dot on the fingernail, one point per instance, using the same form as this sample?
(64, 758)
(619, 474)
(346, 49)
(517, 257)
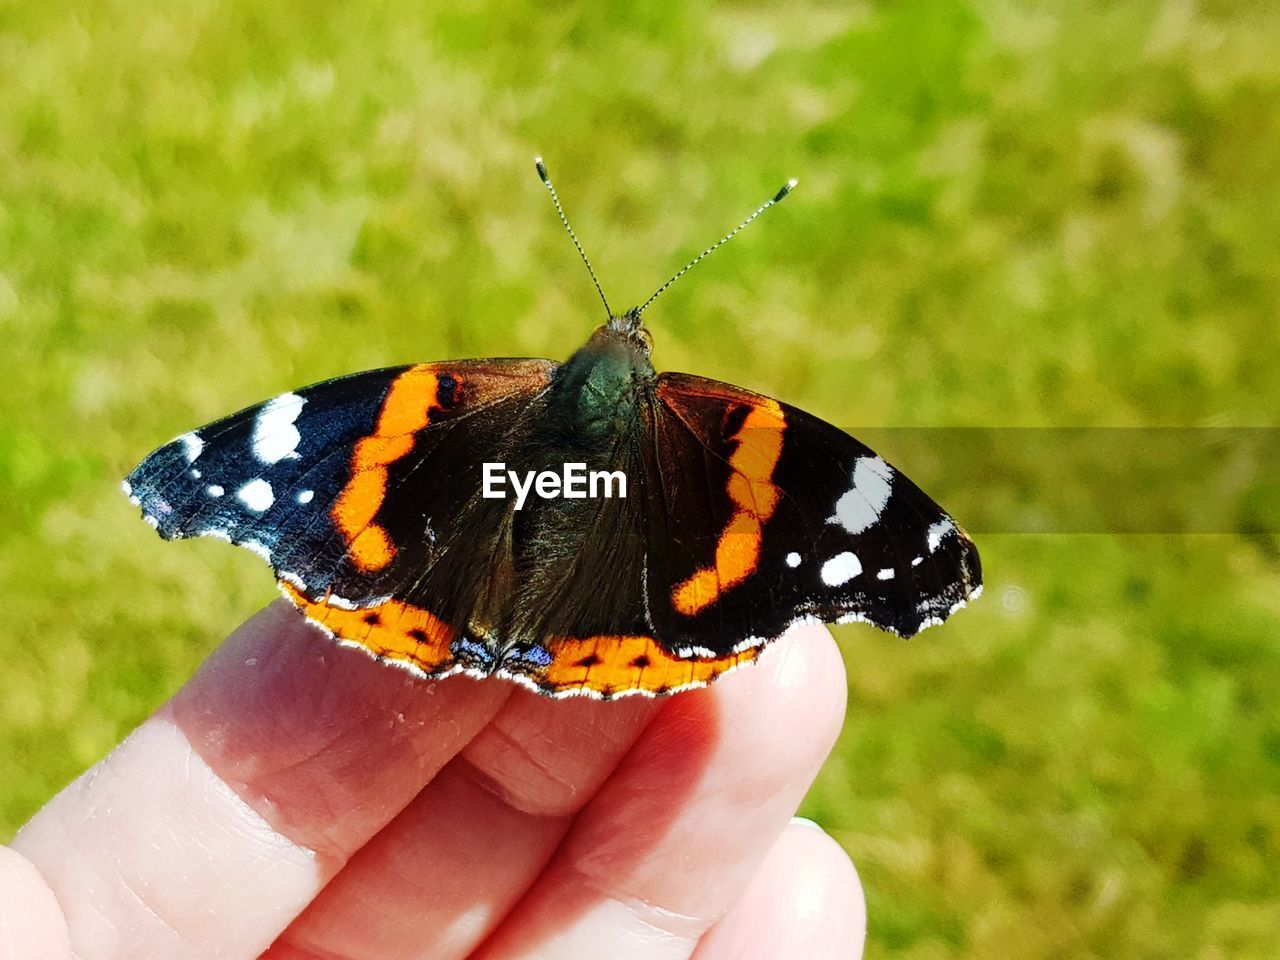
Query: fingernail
(806, 822)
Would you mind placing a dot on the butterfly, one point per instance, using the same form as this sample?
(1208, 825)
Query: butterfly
(590, 527)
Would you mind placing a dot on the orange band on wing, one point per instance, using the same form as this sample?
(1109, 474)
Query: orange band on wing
(612, 664)
(406, 410)
(391, 630)
(752, 491)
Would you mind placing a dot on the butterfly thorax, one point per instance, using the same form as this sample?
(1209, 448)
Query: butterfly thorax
(595, 392)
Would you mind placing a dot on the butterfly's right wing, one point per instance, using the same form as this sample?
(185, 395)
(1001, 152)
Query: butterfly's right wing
(761, 515)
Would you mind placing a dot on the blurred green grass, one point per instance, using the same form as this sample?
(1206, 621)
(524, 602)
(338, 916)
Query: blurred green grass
(1011, 213)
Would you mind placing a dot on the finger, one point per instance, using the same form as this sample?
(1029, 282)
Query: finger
(441, 876)
(243, 795)
(325, 742)
(804, 903)
(149, 852)
(674, 836)
(31, 922)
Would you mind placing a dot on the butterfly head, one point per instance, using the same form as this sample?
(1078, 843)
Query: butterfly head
(630, 326)
(624, 333)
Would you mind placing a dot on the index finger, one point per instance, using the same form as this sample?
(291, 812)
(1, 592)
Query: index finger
(244, 794)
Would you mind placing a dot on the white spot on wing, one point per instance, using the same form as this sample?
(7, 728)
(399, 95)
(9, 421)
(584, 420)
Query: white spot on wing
(937, 530)
(885, 574)
(862, 504)
(256, 495)
(214, 490)
(840, 569)
(304, 496)
(192, 446)
(793, 559)
(917, 561)
(274, 435)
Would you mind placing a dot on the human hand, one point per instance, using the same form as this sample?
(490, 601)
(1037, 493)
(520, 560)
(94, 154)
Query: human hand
(298, 800)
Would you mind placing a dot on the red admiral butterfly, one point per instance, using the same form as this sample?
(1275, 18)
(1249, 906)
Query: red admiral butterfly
(732, 516)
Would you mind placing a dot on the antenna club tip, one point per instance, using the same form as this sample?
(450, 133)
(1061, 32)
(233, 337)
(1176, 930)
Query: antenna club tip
(786, 188)
(541, 168)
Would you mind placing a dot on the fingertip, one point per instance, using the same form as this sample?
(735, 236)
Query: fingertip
(806, 849)
(808, 658)
(801, 679)
(252, 655)
(805, 902)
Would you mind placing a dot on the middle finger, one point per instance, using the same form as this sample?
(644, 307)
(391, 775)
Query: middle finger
(438, 878)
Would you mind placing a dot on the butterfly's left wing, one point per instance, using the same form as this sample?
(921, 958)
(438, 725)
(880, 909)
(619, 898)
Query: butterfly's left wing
(761, 515)
(352, 489)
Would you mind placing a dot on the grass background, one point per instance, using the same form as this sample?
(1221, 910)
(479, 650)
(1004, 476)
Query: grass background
(1012, 213)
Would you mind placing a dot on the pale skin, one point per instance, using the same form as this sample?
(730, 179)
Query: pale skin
(299, 801)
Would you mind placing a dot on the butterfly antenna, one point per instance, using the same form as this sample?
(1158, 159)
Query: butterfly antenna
(542, 172)
(777, 198)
